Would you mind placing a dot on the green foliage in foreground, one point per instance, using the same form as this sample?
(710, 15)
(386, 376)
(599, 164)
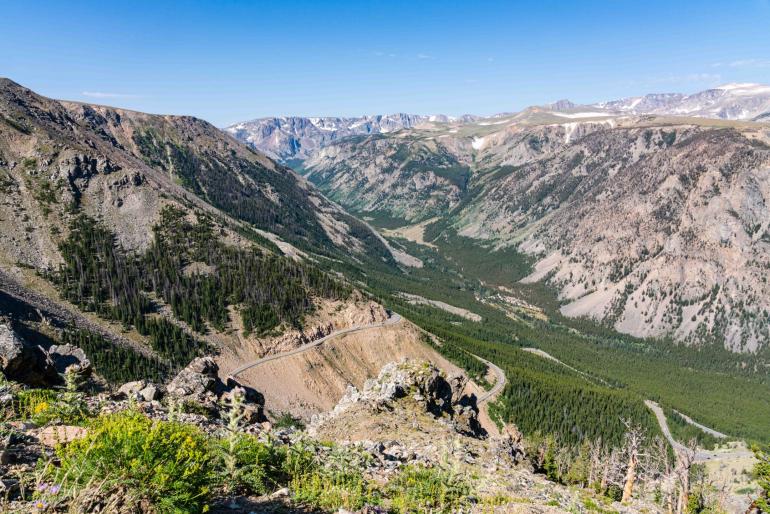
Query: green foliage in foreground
(762, 475)
(419, 489)
(127, 459)
(167, 463)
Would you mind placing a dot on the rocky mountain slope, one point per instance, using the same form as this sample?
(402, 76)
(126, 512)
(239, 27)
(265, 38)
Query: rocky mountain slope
(658, 230)
(655, 225)
(405, 177)
(124, 167)
(162, 236)
(730, 101)
(293, 138)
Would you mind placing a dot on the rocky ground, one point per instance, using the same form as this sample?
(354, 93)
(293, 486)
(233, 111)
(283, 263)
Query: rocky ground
(411, 416)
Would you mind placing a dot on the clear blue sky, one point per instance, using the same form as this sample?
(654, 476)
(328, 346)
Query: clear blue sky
(227, 61)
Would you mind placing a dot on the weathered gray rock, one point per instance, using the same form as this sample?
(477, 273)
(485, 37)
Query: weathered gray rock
(67, 356)
(21, 362)
(197, 381)
(425, 383)
(15, 357)
(131, 389)
(149, 393)
(200, 384)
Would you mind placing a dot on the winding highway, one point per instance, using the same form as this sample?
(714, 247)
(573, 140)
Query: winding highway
(701, 455)
(499, 382)
(394, 319)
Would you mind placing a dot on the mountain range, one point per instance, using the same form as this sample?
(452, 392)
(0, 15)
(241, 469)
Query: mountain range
(642, 217)
(293, 139)
(274, 327)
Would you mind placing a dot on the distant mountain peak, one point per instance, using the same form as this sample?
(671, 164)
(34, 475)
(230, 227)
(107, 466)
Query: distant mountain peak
(562, 105)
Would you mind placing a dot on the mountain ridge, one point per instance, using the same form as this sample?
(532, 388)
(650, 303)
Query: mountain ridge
(293, 139)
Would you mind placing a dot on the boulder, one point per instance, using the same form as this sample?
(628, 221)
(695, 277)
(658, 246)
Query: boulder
(200, 384)
(149, 393)
(197, 381)
(131, 389)
(60, 435)
(65, 357)
(18, 360)
(251, 411)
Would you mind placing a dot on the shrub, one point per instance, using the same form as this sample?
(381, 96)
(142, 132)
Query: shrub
(288, 420)
(420, 489)
(335, 482)
(164, 462)
(34, 405)
(255, 467)
(43, 406)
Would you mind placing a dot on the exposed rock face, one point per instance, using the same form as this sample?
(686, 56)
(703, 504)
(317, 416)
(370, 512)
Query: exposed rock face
(655, 226)
(16, 359)
(124, 167)
(67, 357)
(331, 316)
(423, 383)
(198, 383)
(21, 362)
(659, 231)
(410, 178)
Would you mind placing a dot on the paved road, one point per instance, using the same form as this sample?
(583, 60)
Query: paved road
(701, 455)
(546, 355)
(702, 427)
(661, 417)
(499, 382)
(392, 320)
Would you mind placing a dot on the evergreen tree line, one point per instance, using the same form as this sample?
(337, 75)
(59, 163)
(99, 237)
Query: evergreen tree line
(192, 271)
(117, 364)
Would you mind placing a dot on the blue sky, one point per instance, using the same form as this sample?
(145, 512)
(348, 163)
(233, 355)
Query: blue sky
(228, 61)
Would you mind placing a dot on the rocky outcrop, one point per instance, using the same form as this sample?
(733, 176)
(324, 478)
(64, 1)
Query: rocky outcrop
(420, 381)
(139, 390)
(17, 360)
(33, 365)
(199, 383)
(68, 358)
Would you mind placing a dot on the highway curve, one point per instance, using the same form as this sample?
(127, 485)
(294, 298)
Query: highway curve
(392, 320)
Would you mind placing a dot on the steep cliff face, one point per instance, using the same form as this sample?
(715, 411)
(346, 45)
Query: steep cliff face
(658, 231)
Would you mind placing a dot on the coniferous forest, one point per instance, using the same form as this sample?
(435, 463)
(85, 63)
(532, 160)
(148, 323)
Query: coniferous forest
(191, 271)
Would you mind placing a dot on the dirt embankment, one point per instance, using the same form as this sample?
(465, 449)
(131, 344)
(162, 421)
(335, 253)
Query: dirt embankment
(313, 381)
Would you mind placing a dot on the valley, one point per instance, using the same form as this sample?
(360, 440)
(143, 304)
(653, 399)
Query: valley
(529, 281)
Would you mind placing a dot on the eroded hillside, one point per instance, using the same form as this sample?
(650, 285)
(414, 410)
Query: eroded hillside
(656, 226)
